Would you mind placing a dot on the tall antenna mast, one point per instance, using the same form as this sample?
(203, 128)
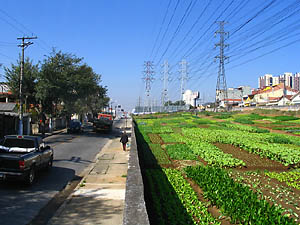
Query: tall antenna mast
(221, 88)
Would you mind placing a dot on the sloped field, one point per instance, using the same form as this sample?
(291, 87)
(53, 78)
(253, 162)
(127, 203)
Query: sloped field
(186, 160)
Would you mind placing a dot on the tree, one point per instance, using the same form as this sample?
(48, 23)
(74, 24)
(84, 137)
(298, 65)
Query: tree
(12, 77)
(65, 80)
(180, 102)
(97, 101)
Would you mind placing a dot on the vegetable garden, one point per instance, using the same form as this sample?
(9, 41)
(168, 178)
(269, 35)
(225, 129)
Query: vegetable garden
(212, 169)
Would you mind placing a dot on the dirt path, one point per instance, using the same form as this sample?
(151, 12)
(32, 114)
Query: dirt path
(253, 161)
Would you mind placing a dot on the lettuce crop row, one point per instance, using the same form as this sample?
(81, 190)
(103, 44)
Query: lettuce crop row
(164, 204)
(261, 144)
(291, 178)
(161, 129)
(273, 192)
(235, 199)
(209, 152)
(244, 128)
(180, 152)
(170, 138)
(189, 199)
(159, 154)
(173, 201)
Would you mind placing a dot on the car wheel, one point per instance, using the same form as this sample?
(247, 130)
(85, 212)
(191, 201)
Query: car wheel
(50, 164)
(30, 178)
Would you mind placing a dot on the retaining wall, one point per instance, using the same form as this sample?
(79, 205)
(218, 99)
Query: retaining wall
(135, 212)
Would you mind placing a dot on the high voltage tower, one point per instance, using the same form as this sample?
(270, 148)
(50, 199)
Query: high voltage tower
(148, 78)
(221, 88)
(165, 79)
(183, 78)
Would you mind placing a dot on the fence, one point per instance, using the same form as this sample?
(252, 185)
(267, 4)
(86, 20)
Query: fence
(153, 109)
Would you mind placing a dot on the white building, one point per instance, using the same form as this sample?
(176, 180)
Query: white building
(266, 80)
(288, 79)
(297, 81)
(190, 97)
(275, 81)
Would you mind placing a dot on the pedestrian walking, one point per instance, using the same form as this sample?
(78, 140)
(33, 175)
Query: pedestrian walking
(124, 140)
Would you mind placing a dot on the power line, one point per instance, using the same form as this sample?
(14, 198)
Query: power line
(170, 21)
(191, 28)
(181, 23)
(23, 28)
(160, 29)
(254, 16)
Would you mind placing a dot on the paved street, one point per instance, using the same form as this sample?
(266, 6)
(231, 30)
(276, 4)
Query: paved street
(73, 153)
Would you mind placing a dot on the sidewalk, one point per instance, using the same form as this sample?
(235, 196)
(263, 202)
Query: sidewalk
(99, 198)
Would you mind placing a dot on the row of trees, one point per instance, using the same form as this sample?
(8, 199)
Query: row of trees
(61, 85)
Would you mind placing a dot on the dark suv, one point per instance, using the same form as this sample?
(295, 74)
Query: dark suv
(75, 126)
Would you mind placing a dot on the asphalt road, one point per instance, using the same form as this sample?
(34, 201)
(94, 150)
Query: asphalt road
(73, 153)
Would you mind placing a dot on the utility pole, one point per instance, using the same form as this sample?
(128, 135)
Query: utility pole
(183, 78)
(148, 78)
(221, 88)
(24, 45)
(165, 82)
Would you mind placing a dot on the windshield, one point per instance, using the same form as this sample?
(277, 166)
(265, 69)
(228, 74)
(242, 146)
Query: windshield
(21, 143)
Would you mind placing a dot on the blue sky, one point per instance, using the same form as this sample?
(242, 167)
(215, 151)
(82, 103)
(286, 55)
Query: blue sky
(116, 37)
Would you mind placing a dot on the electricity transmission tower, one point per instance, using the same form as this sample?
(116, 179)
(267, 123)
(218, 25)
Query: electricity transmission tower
(148, 78)
(165, 82)
(183, 78)
(24, 45)
(221, 88)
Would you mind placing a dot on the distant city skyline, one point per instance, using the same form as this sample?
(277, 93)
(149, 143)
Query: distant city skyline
(289, 79)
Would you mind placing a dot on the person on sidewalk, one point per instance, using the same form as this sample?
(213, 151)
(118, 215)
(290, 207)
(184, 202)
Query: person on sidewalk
(124, 140)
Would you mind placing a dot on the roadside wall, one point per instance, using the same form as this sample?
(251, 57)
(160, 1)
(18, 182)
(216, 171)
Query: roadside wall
(135, 212)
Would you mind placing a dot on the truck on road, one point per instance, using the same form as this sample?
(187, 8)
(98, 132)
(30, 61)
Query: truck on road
(22, 156)
(104, 122)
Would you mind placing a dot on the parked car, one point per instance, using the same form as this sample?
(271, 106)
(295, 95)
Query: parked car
(22, 156)
(75, 126)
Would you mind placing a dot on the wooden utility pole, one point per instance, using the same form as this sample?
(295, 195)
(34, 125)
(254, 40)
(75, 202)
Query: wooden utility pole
(24, 45)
